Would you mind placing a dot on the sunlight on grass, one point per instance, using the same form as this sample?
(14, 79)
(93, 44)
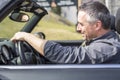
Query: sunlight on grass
(55, 31)
(8, 28)
(50, 26)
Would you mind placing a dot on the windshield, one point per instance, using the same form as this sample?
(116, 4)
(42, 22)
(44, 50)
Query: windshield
(8, 28)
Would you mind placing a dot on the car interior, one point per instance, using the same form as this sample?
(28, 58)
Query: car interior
(9, 51)
(19, 61)
(21, 52)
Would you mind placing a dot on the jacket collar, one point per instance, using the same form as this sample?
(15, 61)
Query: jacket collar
(108, 35)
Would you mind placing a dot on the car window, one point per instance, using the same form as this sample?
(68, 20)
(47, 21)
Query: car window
(55, 29)
(51, 26)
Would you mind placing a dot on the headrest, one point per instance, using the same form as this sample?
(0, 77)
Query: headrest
(117, 21)
(112, 25)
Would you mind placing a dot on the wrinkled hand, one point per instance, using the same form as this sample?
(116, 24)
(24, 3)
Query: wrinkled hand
(19, 36)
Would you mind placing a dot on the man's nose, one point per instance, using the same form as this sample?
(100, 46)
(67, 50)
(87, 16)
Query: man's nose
(78, 28)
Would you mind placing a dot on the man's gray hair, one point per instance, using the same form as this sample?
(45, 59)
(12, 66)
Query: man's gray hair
(97, 11)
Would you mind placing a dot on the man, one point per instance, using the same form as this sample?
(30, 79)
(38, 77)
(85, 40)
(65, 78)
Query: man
(102, 44)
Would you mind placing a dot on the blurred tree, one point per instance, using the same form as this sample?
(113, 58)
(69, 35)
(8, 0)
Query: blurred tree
(55, 8)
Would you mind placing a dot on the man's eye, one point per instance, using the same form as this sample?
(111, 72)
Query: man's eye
(80, 24)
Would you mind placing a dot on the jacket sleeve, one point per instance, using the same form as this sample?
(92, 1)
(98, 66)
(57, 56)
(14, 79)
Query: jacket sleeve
(96, 53)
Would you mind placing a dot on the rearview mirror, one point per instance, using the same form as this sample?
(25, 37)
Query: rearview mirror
(19, 17)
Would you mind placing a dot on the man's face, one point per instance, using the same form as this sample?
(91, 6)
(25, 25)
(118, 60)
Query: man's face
(84, 27)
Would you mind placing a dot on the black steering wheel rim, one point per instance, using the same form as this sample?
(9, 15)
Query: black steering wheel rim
(19, 46)
(36, 58)
(20, 50)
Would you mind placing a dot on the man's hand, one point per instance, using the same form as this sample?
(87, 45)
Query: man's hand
(20, 36)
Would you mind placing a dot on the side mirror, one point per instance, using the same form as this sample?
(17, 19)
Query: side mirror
(19, 17)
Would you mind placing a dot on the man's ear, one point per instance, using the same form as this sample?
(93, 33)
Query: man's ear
(98, 25)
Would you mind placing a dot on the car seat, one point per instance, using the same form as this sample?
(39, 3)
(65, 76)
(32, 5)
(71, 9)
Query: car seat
(112, 25)
(117, 21)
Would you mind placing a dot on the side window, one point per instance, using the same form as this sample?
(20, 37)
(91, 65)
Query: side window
(54, 29)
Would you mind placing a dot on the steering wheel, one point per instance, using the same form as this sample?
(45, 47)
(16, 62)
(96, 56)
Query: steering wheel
(23, 49)
(27, 54)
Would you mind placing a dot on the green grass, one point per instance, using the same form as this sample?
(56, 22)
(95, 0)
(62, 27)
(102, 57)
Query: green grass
(50, 25)
(8, 28)
(54, 29)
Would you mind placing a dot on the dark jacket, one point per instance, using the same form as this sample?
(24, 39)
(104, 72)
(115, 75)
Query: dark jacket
(105, 49)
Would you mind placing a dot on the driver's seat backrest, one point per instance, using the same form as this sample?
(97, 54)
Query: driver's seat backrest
(117, 21)
(112, 25)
